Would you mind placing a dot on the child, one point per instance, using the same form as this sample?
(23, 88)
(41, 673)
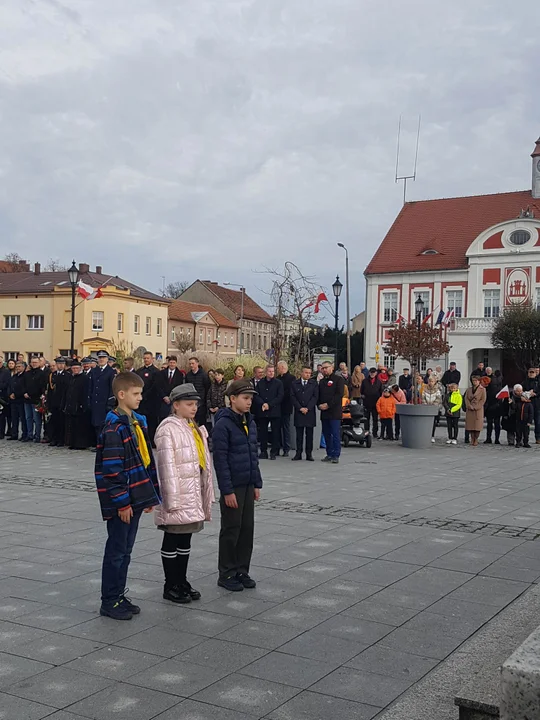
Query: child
(452, 402)
(239, 478)
(401, 399)
(386, 407)
(127, 486)
(185, 481)
(522, 410)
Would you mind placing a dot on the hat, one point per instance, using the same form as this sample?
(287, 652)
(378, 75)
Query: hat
(87, 360)
(60, 359)
(76, 363)
(184, 392)
(452, 363)
(241, 387)
(372, 369)
(103, 353)
(111, 357)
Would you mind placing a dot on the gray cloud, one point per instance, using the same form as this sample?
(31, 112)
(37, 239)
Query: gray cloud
(195, 138)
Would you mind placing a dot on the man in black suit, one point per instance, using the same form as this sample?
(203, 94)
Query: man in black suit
(267, 404)
(199, 378)
(169, 378)
(287, 379)
(150, 404)
(304, 395)
(56, 396)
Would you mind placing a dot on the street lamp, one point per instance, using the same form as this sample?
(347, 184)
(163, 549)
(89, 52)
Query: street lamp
(419, 311)
(341, 245)
(73, 274)
(243, 292)
(337, 288)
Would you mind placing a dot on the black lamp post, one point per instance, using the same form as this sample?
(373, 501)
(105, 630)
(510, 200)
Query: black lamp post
(337, 288)
(419, 311)
(73, 274)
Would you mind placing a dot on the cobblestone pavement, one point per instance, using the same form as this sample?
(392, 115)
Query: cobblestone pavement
(370, 574)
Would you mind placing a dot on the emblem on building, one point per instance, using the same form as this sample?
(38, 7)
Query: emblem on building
(517, 286)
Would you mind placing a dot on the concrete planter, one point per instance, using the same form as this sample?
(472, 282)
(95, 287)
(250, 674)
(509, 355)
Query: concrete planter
(416, 425)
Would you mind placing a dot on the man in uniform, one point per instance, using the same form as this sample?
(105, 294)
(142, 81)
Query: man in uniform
(149, 406)
(56, 396)
(78, 428)
(100, 394)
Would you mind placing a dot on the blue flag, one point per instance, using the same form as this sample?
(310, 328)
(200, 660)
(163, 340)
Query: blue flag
(440, 317)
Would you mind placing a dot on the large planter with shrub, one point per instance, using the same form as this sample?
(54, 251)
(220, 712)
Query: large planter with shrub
(416, 425)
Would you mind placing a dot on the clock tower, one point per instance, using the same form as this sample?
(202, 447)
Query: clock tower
(536, 170)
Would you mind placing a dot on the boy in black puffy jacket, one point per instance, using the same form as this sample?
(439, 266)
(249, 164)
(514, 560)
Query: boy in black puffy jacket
(239, 478)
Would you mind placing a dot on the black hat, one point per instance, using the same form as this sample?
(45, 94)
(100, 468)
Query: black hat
(87, 360)
(184, 392)
(60, 359)
(452, 363)
(103, 353)
(75, 363)
(372, 369)
(241, 387)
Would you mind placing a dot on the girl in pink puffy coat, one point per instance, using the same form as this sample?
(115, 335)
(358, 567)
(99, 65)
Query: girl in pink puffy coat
(184, 472)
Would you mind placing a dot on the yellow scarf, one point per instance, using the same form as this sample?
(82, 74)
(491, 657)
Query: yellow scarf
(141, 443)
(199, 442)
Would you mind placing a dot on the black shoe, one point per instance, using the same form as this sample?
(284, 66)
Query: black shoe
(177, 594)
(335, 461)
(27, 439)
(231, 583)
(118, 611)
(467, 442)
(126, 602)
(53, 444)
(263, 456)
(326, 459)
(310, 458)
(286, 454)
(10, 437)
(272, 457)
(248, 582)
(193, 594)
(526, 445)
(518, 445)
(497, 442)
(488, 441)
(297, 457)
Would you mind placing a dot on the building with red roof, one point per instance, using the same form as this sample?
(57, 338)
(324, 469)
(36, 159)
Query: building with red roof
(196, 327)
(467, 257)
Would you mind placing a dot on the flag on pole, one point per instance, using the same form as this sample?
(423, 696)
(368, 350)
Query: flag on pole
(427, 319)
(504, 394)
(400, 320)
(87, 291)
(449, 315)
(440, 317)
(320, 298)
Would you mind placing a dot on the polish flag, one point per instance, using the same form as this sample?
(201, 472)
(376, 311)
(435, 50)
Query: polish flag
(427, 318)
(450, 314)
(320, 298)
(400, 320)
(504, 394)
(87, 291)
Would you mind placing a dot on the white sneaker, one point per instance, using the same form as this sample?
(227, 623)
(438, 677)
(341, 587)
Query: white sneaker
(449, 442)
(454, 442)
(432, 439)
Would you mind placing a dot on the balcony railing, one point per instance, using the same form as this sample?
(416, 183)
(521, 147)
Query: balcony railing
(472, 325)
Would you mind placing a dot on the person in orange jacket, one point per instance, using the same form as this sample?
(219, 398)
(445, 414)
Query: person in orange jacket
(386, 407)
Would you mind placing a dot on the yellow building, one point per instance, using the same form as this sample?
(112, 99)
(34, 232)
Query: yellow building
(35, 315)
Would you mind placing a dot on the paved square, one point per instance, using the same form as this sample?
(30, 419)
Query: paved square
(371, 573)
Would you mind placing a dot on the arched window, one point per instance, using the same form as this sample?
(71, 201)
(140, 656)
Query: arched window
(519, 237)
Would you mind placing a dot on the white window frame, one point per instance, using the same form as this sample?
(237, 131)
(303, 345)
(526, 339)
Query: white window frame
(12, 322)
(492, 303)
(451, 301)
(537, 298)
(159, 326)
(389, 361)
(225, 339)
(137, 324)
(181, 333)
(173, 334)
(201, 336)
(423, 367)
(120, 322)
(98, 315)
(148, 325)
(209, 337)
(11, 355)
(426, 297)
(189, 333)
(33, 325)
(390, 305)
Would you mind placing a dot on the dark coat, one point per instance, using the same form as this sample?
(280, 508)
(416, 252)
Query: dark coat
(216, 395)
(151, 401)
(405, 383)
(5, 379)
(492, 390)
(56, 390)
(371, 392)
(451, 376)
(100, 394)
(522, 410)
(287, 405)
(17, 387)
(202, 384)
(76, 400)
(35, 381)
(331, 390)
(533, 384)
(270, 392)
(305, 397)
(235, 452)
(164, 387)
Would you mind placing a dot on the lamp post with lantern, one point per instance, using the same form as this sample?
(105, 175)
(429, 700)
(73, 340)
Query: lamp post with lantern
(337, 288)
(73, 274)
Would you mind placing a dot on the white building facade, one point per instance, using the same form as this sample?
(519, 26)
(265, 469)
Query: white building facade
(476, 255)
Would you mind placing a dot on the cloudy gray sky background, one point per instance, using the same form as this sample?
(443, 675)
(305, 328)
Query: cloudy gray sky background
(209, 138)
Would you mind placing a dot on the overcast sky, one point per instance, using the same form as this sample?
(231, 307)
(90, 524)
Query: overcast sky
(209, 138)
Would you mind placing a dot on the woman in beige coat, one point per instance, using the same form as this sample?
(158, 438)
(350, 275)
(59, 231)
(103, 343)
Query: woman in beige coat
(475, 398)
(184, 472)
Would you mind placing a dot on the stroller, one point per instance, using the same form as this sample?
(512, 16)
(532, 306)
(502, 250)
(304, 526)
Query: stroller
(353, 425)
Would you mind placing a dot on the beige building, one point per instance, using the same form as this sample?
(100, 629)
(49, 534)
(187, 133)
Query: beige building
(194, 327)
(35, 315)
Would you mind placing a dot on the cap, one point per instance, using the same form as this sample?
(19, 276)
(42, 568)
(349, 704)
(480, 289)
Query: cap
(103, 353)
(452, 363)
(87, 360)
(76, 363)
(184, 392)
(60, 359)
(241, 387)
(111, 357)
(372, 369)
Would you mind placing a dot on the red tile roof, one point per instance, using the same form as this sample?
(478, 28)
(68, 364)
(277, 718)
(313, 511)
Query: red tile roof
(181, 310)
(448, 226)
(233, 300)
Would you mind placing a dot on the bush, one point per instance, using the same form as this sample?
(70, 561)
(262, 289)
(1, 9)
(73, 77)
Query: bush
(211, 361)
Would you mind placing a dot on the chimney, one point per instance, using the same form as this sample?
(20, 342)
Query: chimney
(24, 266)
(37, 269)
(84, 268)
(99, 270)
(536, 171)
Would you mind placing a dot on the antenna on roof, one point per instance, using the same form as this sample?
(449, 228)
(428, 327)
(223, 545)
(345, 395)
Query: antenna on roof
(407, 177)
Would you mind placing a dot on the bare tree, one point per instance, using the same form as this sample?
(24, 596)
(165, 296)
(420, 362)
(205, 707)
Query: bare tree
(54, 265)
(15, 263)
(292, 300)
(174, 289)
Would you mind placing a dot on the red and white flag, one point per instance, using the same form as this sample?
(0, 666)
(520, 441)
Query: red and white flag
(504, 394)
(321, 297)
(400, 320)
(450, 314)
(87, 291)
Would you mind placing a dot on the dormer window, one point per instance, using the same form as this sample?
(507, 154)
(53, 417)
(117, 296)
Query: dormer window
(519, 237)
(430, 252)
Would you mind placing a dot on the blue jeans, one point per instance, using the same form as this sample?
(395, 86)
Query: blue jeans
(18, 416)
(33, 422)
(332, 436)
(120, 541)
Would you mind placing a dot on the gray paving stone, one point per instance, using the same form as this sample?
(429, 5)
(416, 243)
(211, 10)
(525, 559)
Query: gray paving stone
(342, 587)
(239, 605)
(260, 634)
(55, 648)
(202, 622)
(125, 702)
(13, 635)
(466, 560)
(433, 623)
(361, 686)
(291, 670)
(54, 617)
(160, 640)
(191, 710)
(246, 694)
(382, 572)
(364, 632)
(393, 663)
(313, 706)
(106, 630)
(293, 615)
(14, 607)
(178, 678)
(14, 708)
(380, 612)
(14, 668)
(221, 654)
(59, 687)
(431, 646)
(116, 663)
(491, 591)
(413, 599)
(330, 649)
